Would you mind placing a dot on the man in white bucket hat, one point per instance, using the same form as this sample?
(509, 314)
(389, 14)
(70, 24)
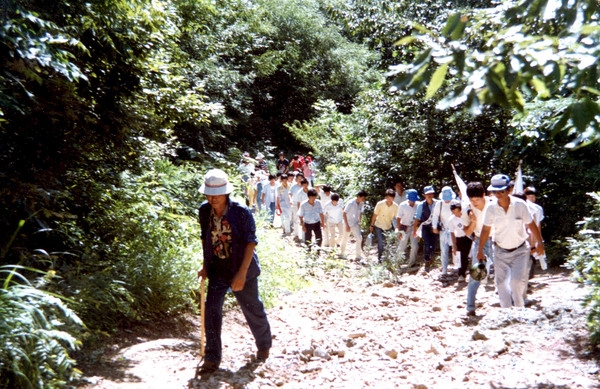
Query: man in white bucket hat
(230, 261)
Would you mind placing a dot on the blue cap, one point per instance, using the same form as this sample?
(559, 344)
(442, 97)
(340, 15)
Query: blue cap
(428, 189)
(412, 195)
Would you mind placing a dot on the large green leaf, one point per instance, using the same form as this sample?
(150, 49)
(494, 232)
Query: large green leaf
(436, 80)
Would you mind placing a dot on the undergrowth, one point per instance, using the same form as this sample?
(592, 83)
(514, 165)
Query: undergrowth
(584, 260)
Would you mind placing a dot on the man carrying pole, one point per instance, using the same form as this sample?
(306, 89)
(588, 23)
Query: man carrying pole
(230, 261)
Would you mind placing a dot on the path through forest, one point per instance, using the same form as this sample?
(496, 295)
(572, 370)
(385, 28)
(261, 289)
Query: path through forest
(346, 332)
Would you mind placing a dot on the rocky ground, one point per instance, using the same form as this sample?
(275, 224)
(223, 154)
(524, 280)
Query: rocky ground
(347, 331)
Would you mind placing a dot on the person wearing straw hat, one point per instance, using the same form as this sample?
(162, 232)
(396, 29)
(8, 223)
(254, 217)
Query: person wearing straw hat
(228, 236)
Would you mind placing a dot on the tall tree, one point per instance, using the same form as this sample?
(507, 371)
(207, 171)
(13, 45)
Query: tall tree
(268, 63)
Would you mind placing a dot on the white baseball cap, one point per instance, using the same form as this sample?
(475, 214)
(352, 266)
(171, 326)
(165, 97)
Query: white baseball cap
(499, 182)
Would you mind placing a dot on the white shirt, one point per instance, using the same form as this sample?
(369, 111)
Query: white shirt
(246, 167)
(353, 210)
(441, 214)
(536, 211)
(295, 188)
(509, 231)
(478, 215)
(334, 213)
(456, 226)
(283, 193)
(310, 213)
(406, 213)
(270, 193)
(399, 199)
(324, 198)
(300, 197)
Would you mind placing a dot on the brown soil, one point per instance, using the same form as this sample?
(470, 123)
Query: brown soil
(347, 332)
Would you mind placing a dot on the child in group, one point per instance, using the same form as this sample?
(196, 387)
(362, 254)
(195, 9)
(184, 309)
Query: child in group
(460, 241)
(334, 216)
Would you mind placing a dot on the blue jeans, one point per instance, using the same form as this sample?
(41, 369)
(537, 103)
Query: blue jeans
(379, 233)
(445, 248)
(430, 241)
(252, 308)
(271, 211)
(474, 285)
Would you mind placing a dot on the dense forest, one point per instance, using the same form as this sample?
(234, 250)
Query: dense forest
(111, 111)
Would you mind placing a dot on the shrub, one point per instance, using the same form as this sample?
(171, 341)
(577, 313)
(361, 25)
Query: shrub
(35, 335)
(143, 259)
(584, 259)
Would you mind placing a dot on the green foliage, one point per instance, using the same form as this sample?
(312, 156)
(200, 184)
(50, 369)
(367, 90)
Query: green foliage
(584, 259)
(266, 65)
(281, 269)
(143, 263)
(391, 260)
(378, 23)
(36, 334)
(386, 138)
(512, 54)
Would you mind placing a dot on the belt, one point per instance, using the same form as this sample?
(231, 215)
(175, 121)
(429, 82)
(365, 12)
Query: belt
(511, 250)
(311, 224)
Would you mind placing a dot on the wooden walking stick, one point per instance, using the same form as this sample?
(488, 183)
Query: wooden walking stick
(202, 317)
(201, 327)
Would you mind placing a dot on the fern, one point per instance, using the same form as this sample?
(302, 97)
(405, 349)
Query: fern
(36, 335)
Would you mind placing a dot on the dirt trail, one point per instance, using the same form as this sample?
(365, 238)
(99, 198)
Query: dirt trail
(348, 333)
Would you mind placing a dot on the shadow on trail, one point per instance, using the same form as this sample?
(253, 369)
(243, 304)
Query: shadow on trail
(102, 358)
(240, 378)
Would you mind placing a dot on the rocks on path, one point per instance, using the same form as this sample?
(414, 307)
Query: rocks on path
(351, 333)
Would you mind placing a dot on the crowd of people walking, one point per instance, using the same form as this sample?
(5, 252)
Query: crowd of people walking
(493, 228)
(478, 226)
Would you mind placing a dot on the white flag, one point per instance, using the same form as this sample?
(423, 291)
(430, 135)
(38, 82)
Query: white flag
(462, 187)
(519, 181)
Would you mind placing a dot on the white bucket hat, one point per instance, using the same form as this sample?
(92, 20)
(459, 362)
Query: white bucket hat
(216, 183)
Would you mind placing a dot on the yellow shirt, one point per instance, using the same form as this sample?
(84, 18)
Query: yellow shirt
(385, 214)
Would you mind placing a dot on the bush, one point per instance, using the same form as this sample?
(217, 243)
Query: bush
(35, 336)
(584, 259)
(142, 260)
